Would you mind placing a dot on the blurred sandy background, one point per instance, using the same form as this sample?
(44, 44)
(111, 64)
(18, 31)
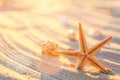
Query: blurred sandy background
(25, 24)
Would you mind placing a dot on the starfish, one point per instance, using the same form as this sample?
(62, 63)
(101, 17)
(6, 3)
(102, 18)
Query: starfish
(85, 55)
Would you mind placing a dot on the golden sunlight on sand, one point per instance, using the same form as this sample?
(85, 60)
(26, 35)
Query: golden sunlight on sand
(26, 24)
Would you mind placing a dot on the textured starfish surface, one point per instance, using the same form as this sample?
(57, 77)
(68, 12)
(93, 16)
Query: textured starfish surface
(85, 55)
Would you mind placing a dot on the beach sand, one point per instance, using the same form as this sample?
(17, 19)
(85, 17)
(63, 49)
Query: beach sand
(24, 29)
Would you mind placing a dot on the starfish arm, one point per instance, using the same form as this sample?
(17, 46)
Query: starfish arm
(77, 66)
(71, 54)
(98, 46)
(82, 40)
(83, 62)
(96, 64)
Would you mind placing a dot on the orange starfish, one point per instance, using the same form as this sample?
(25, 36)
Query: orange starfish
(85, 55)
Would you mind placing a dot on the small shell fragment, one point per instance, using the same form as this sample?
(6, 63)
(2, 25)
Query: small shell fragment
(71, 34)
(48, 47)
